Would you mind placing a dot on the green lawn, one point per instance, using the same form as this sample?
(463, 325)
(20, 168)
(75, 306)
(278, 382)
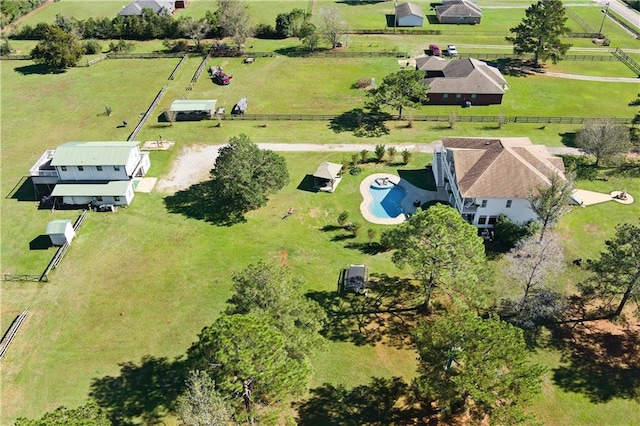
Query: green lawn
(144, 281)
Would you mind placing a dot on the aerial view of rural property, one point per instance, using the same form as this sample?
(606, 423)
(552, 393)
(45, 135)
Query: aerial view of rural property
(320, 212)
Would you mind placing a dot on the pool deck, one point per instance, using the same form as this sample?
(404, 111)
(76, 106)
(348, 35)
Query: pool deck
(413, 194)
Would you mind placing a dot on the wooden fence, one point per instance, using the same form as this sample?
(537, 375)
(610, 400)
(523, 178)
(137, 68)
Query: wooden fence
(433, 118)
(177, 68)
(627, 60)
(57, 258)
(144, 118)
(12, 331)
(21, 278)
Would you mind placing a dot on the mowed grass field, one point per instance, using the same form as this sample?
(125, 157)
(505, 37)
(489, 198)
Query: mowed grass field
(143, 281)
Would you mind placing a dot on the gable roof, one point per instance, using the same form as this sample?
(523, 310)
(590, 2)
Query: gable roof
(459, 8)
(93, 153)
(193, 105)
(158, 6)
(465, 75)
(57, 227)
(328, 170)
(500, 168)
(407, 9)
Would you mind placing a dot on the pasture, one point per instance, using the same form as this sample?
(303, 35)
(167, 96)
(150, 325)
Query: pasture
(137, 286)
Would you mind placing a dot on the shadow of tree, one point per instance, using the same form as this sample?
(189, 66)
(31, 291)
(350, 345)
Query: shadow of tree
(200, 201)
(361, 123)
(568, 139)
(142, 391)
(372, 248)
(583, 166)
(298, 51)
(512, 67)
(377, 403)
(36, 69)
(601, 364)
(385, 314)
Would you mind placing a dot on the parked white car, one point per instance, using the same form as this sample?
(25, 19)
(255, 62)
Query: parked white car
(451, 50)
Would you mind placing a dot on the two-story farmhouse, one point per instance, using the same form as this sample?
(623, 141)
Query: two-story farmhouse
(91, 172)
(486, 177)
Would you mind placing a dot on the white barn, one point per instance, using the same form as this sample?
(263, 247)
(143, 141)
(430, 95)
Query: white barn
(409, 15)
(487, 177)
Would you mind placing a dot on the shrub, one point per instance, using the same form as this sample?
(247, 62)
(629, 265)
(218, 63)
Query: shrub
(380, 151)
(355, 170)
(510, 233)
(342, 218)
(92, 47)
(121, 46)
(176, 45)
(363, 83)
(363, 155)
(266, 31)
(354, 228)
(406, 156)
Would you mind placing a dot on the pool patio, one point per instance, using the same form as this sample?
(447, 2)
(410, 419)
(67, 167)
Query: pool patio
(413, 194)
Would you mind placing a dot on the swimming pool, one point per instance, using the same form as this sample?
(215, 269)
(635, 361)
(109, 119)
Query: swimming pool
(386, 201)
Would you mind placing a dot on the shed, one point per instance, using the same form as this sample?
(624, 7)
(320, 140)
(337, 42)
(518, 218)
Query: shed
(188, 109)
(409, 15)
(356, 278)
(327, 176)
(61, 232)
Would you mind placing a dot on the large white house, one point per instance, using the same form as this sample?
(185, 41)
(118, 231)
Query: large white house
(92, 172)
(486, 177)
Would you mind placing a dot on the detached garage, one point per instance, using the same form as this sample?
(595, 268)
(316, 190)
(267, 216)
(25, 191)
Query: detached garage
(409, 15)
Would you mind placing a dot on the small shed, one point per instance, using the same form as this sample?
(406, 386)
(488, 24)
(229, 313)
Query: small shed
(409, 15)
(61, 232)
(327, 176)
(187, 109)
(356, 278)
(240, 107)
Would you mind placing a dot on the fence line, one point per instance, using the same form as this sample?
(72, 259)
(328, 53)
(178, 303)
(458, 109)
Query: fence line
(98, 59)
(150, 55)
(11, 333)
(433, 118)
(627, 60)
(615, 17)
(144, 119)
(15, 57)
(177, 68)
(21, 278)
(586, 27)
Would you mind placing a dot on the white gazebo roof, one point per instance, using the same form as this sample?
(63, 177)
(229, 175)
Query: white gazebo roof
(328, 170)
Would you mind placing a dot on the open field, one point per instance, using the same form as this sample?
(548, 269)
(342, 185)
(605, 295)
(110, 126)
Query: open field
(142, 282)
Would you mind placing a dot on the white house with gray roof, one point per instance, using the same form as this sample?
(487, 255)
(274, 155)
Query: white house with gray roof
(92, 172)
(160, 7)
(486, 177)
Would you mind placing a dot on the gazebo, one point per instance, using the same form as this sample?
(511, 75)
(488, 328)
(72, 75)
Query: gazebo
(327, 176)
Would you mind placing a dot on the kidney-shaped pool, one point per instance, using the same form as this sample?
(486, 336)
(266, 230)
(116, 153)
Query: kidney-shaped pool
(387, 200)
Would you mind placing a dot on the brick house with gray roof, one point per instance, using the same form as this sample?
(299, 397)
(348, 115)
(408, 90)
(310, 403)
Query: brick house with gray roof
(455, 82)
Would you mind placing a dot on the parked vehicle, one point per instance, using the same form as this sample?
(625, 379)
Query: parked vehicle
(435, 50)
(451, 50)
(219, 77)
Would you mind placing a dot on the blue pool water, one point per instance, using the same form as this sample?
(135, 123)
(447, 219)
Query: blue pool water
(386, 201)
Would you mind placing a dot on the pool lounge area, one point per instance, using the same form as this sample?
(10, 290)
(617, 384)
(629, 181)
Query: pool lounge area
(390, 200)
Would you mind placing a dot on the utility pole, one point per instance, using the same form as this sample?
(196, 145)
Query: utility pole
(606, 10)
(395, 15)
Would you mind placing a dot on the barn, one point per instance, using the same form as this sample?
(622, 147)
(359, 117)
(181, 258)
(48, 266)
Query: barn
(409, 15)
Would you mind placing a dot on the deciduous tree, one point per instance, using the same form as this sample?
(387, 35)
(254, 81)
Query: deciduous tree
(245, 175)
(550, 201)
(234, 19)
(58, 50)
(399, 90)
(474, 365)
(201, 404)
(540, 31)
(89, 414)
(617, 272)
(331, 25)
(604, 138)
(195, 30)
(247, 359)
(444, 251)
(271, 293)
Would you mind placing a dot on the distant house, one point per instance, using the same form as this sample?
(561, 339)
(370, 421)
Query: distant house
(486, 177)
(409, 15)
(160, 7)
(193, 110)
(459, 12)
(327, 176)
(91, 172)
(456, 82)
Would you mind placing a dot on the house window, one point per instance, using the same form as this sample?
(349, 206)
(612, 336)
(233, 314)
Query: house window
(474, 96)
(458, 96)
(482, 220)
(99, 198)
(484, 204)
(445, 96)
(493, 220)
(80, 168)
(116, 198)
(509, 203)
(116, 168)
(99, 168)
(64, 168)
